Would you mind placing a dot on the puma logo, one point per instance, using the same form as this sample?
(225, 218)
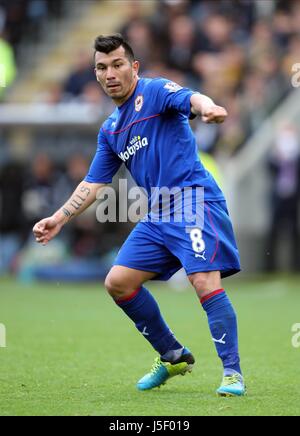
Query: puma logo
(220, 341)
(144, 332)
(202, 256)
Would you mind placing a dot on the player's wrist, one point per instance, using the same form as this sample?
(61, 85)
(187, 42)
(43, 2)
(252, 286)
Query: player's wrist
(61, 218)
(201, 104)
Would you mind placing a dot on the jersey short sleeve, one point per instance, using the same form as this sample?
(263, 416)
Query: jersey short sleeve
(105, 164)
(171, 96)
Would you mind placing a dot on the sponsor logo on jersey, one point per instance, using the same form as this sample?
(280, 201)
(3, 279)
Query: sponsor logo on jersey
(135, 144)
(172, 87)
(138, 104)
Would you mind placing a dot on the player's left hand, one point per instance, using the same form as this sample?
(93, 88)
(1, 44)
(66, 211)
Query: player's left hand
(214, 114)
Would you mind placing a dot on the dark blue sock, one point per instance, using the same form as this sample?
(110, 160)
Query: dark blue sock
(143, 310)
(223, 326)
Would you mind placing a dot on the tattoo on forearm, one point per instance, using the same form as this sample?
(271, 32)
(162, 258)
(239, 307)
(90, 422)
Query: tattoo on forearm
(77, 205)
(67, 213)
(86, 190)
(78, 200)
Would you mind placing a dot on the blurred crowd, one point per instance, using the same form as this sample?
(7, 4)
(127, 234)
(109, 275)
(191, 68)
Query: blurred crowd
(23, 20)
(239, 52)
(284, 168)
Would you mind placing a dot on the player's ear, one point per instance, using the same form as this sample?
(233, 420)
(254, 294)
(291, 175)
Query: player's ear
(95, 71)
(136, 66)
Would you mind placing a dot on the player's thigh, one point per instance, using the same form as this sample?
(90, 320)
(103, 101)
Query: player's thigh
(122, 281)
(145, 250)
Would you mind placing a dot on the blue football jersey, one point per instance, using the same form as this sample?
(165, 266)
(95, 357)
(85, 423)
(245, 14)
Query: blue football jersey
(150, 133)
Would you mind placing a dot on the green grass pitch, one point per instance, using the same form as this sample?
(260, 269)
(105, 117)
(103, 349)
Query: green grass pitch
(71, 351)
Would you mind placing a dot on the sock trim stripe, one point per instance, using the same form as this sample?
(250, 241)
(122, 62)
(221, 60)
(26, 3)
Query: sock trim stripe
(211, 295)
(130, 297)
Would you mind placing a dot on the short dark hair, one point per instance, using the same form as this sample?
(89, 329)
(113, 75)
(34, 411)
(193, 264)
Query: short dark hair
(106, 44)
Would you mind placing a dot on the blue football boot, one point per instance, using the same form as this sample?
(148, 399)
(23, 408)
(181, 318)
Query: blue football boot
(232, 386)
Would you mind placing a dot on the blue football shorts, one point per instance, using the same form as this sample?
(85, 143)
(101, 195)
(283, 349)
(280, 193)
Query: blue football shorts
(166, 247)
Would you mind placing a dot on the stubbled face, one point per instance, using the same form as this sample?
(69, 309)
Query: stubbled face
(116, 74)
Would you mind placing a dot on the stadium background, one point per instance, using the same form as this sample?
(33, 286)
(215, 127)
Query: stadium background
(242, 53)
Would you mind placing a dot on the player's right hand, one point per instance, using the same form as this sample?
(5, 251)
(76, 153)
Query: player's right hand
(46, 229)
(214, 114)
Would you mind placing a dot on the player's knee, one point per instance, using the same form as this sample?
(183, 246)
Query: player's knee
(200, 284)
(205, 283)
(115, 286)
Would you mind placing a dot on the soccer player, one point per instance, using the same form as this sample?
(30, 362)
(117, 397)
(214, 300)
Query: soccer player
(149, 131)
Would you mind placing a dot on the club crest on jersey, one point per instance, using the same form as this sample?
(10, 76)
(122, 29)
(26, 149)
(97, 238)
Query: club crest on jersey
(172, 86)
(138, 104)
